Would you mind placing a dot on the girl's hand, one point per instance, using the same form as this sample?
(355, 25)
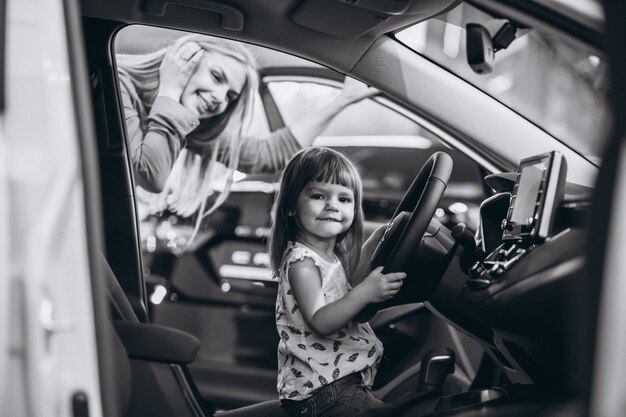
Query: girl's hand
(379, 287)
(368, 248)
(178, 65)
(354, 90)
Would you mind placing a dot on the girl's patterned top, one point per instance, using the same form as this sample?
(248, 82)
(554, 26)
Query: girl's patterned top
(307, 361)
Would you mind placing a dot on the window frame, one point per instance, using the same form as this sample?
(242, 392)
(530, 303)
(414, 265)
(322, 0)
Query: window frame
(326, 78)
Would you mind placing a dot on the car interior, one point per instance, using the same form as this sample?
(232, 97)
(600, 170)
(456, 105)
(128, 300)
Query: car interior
(491, 220)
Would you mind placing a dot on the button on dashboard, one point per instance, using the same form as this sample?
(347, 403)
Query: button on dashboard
(478, 283)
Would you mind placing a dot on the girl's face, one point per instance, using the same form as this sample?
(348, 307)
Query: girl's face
(217, 80)
(324, 211)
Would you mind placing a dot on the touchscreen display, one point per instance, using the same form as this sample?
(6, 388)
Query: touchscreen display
(537, 192)
(527, 193)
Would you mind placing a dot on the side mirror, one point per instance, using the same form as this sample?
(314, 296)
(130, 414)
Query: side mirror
(480, 51)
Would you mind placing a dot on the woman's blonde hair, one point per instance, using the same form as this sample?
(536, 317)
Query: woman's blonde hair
(324, 165)
(217, 139)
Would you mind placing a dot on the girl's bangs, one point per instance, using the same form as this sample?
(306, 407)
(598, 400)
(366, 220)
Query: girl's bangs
(336, 171)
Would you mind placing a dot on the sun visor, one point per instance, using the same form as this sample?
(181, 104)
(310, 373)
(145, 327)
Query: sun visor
(352, 18)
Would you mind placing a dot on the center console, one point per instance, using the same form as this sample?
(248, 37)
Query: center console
(526, 221)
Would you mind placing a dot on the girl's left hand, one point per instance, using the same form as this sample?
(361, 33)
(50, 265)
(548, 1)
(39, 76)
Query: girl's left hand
(355, 90)
(368, 248)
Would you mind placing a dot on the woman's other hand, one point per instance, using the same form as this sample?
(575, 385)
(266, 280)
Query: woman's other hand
(355, 90)
(307, 129)
(177, 67)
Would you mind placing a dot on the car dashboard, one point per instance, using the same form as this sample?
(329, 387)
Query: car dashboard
(509, 285)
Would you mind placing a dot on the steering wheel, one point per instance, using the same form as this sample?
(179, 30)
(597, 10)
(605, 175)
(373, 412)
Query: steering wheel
(397, 248)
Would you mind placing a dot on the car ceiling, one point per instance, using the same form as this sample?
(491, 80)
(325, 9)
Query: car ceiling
(350, 27)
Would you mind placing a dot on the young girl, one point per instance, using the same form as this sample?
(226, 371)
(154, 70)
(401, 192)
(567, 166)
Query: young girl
(326, 362)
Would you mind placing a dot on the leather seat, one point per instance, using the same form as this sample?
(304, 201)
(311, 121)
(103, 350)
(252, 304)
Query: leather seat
(153, 376)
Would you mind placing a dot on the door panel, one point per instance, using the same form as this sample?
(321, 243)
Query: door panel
(212, 294)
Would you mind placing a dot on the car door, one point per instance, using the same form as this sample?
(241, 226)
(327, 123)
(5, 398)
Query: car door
(51, 347)
(603, 298)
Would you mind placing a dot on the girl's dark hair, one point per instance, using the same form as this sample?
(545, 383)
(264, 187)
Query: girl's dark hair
(324, 165)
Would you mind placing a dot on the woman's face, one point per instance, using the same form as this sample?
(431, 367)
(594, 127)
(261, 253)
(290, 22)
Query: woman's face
(217, 80)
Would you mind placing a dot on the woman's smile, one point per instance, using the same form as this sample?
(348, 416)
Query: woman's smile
(206, 106)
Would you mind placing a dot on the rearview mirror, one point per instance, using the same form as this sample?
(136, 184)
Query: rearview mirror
(480, 51)
(482, 47)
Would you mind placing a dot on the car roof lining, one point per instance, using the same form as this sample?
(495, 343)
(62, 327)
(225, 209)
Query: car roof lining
(273, 24)
(264, 22)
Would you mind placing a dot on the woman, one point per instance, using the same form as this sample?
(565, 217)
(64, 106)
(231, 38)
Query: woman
(186, 107)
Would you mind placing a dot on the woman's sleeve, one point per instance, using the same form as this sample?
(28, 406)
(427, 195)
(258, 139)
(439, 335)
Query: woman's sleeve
(154, 148)
(269, 154)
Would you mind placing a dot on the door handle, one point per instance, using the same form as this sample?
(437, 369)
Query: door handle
(49, 324)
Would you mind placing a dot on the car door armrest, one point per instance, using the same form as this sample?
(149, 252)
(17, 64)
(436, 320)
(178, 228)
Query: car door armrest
(153, 342)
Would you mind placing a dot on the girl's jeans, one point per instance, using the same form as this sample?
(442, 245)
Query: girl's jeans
(344, 397)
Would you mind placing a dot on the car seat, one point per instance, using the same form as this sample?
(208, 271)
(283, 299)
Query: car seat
(151, 366)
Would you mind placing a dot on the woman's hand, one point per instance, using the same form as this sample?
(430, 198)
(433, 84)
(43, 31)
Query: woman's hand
(307, 129)
(378, 287)
(355, 90)
(178, 65)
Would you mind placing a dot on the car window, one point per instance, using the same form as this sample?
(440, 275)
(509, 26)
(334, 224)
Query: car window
(259, 126)
(295, 99)
(387, 145)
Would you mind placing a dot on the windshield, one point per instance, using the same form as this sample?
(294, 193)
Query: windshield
(560, 87)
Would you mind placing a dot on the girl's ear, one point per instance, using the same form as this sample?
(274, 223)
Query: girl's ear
(291, 213)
